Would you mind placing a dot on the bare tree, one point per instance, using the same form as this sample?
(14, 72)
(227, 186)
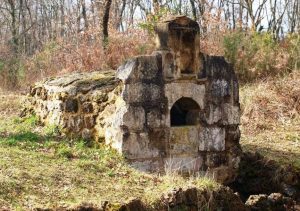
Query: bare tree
(105, 20)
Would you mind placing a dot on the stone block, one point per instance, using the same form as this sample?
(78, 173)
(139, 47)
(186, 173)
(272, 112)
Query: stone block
(155, 119)
(169, 70)
(183, 149)
(136, 146)
(183, 164)
(133, 117)
(214, 114)
(231, 114)
(219, 89)
(232, 136)
(212, 139)
(158, 139)
(142, 92)
(184, 140)
(139, 69)
(175, 91)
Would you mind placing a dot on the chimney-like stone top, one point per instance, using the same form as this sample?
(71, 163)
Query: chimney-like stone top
(182, 20)
(181, 36)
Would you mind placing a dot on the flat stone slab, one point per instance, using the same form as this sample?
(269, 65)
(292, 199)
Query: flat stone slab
(80, 82)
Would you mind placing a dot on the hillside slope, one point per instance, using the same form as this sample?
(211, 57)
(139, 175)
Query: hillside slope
(271, 118)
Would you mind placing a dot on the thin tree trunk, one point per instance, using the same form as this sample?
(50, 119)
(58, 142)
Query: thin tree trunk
(86, 24)
(105, 21)
(62, 18)
(119, 23)
(194, 11)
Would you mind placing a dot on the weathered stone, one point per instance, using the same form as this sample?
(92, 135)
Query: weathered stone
(183, 164)
(175, 91)
(184, 140)
(137, 145)
(231, 114)
(155, 119)
(87, 134)
(212, 139)
(87, 107)
(89, 122)
(220, 88)
(142, 92)
(232, 136)
(131, 117)
(142, 68)
(214, 114)
(176, 32)
(71, 105)
(169, 69)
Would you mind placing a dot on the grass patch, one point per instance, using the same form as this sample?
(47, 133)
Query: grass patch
(41, 179)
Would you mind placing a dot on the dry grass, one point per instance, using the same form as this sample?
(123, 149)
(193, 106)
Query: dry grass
(271, 118)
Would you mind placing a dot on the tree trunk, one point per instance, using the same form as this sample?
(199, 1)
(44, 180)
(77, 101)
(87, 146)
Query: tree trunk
(86, 24)
(194, 11)
(62, 18)
(105, 21)
(14, 27)
(119, 23)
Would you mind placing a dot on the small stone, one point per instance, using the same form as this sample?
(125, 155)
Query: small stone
(258, 202)
(86, 134)
(87, 107)
(89, 122)
(71, 105)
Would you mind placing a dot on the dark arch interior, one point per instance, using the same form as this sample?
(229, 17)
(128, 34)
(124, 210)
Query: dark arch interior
(185, 111)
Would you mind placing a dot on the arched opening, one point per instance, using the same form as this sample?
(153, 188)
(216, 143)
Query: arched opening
(185, 111)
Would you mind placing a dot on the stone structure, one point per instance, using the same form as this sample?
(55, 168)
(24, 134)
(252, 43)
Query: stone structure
(176, 109)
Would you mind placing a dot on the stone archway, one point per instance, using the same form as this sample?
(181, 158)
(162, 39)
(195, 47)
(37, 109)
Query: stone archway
(184, 112)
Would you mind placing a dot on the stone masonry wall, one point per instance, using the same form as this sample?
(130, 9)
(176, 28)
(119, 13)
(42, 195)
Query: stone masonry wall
(146, 136)
(74, 102)
(176, 110)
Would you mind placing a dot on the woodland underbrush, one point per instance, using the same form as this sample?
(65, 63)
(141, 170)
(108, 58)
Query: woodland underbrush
(254, 55)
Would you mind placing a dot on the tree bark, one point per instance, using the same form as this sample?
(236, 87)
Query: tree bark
(194, 11)
(105, 21)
